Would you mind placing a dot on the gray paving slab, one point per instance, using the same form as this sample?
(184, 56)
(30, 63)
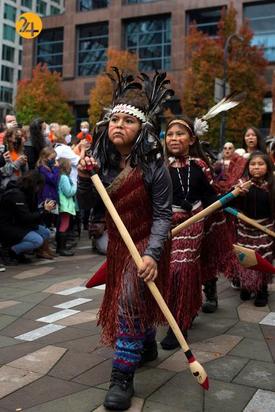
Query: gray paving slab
(262, 401)
(19, 309)
(6, 341)
(34, 297)
(20, 326)
(10, 292)
(181, 391)
(226, 368)
(204, 328)
(40, 391)
(19, 350)
(97, 375)
(84, 401)
(85, 344)
(148, 380)
(258, 375)
(253, 349)
(6, 320)
(159, 407)
(247, 330)
(74, 364)
(226, 397)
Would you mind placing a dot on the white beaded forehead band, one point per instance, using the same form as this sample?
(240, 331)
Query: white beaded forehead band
(132, 110)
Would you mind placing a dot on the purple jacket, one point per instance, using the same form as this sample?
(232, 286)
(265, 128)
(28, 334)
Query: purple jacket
(50, 190)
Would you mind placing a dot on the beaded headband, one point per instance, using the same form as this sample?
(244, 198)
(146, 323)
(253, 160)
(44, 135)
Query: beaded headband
(183, 123)
(132, 110)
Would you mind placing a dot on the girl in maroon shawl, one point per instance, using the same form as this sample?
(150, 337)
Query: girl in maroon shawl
(202, 250)
(131, 165)
(259, 204)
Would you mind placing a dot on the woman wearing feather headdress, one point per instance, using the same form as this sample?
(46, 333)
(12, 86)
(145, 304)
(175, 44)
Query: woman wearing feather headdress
(131, 165)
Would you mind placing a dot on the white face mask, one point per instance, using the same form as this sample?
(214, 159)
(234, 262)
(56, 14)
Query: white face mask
(84, 130)
(68, 138)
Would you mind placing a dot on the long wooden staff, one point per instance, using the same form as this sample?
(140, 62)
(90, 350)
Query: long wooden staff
(210, 209)
(248, 220)
(195, 367)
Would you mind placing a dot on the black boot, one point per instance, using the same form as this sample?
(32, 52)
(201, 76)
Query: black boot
(149, 353)
(245, 294)
(261, 298)
(210, 291)
(61, 245)
(170, 341)
(7, 259)
(120, 391)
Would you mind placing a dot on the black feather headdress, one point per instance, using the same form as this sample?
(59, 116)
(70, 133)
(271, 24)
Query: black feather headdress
(126, 90)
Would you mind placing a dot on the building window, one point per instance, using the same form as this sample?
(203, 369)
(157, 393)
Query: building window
(86, 5)
(206, 20)
(9, 33)
(5, 94)
(26, 3)
(7, 53)
(9, 12)
(92, 46)
(138, 1)
(50, 49)
(151, 40)
(54, 11)
(7, 74)
(20, 57)
(41, 8)
(262, 21)
(56, 1)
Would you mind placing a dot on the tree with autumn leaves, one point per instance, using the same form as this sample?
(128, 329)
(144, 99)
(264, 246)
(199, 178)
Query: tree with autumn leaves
(42, 96)
(101, 94)
(246, 68)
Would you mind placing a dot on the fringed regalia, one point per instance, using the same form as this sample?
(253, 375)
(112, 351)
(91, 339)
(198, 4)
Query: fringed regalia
(217, 255)
(126, 295)
(255, 239)
(256, 205)
(202, 251)
(184, 284)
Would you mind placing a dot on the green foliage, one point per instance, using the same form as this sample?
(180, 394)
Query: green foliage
(246, 67)
(42, 96)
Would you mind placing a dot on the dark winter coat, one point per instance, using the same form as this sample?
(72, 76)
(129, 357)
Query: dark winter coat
(19, 215)
(50, 189)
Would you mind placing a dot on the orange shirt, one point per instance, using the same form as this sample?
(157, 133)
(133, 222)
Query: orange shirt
(88, 137)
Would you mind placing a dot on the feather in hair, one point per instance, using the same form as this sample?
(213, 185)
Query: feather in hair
(227, 103)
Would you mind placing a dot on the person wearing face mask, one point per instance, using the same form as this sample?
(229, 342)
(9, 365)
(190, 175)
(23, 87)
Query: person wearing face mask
(48, 168)
(17, 164)
(84, 133)
(66, 134)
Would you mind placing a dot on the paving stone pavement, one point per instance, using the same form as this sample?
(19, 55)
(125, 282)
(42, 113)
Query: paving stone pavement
(51, 358)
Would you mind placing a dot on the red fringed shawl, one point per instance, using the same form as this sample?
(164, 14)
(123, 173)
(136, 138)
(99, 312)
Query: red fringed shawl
(126, 295)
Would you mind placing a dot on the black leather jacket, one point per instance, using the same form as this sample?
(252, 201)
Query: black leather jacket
(158, 181)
